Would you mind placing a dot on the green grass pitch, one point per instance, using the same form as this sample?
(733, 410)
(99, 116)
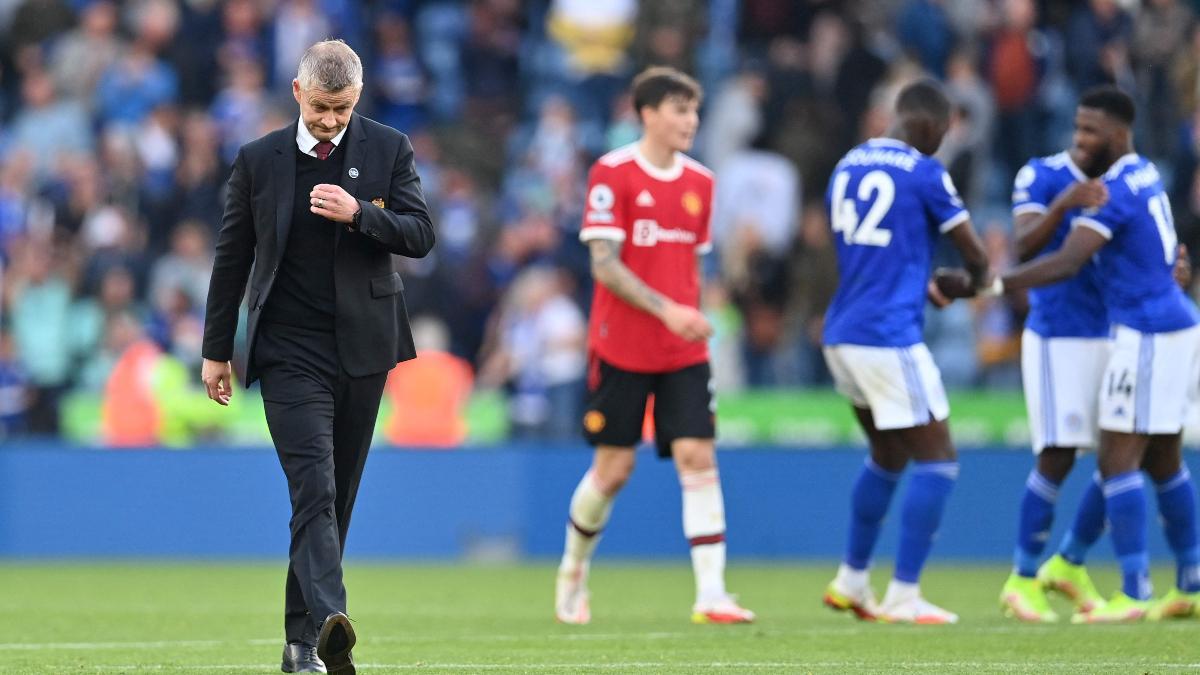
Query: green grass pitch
(221, 618)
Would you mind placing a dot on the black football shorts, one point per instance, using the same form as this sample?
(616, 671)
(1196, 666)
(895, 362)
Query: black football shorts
(616, 405)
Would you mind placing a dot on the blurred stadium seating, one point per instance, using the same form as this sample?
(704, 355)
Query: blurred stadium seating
(118, 122)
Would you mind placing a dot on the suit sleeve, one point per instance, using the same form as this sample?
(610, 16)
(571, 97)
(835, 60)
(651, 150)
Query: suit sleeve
(231, 266)
(403, 227)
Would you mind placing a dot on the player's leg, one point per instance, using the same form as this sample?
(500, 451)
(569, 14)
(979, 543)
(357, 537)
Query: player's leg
(684, 430)
(902, 387)
(869, 500)
(1065, 572)
(1177, 508)
(933, 470)
(1062, 378)
(1023, 596)
(613, 424)
(1150, 382)
(704, 528)
(1120, 462)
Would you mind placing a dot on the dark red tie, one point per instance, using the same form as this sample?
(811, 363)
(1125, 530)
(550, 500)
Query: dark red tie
(323, 149)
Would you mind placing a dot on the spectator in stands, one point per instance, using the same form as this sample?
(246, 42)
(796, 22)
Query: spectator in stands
(1015, 63)
(400, 85)
(39, 297)
(82, 54)
(186, 268)
(133, 86)
(753, 227)
(1097, 38)
(538, 356)
(1162, 31)
(925, 32)
(48, 127)
(13, 388)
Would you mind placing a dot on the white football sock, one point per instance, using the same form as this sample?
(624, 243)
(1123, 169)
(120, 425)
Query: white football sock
(589, 513)
(704, 526)
(900, 591)
(851, 579)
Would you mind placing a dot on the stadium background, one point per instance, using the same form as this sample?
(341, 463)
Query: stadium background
(118, 123)
(143, 529)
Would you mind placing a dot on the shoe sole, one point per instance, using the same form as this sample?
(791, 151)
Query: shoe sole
(1184, 610)
(840, 606)
(1128, 618)
(573, 620)
(337, 663)
(1071, 592)
(1010, 606)
(716, 618)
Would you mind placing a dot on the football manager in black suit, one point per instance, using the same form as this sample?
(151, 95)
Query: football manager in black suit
(315, 214)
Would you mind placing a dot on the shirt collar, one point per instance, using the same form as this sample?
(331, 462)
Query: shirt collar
(306, 141)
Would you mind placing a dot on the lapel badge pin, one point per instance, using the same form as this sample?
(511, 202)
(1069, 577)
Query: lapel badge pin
(353, 172)
(378, 201)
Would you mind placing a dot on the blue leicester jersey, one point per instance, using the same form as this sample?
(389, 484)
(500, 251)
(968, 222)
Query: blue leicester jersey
(887, 205)
(1071, 308)
(1136, 264)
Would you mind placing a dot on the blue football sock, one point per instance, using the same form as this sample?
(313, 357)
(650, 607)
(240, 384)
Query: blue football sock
(1177, 505)
(923, 505)
(1125, 501)
(869, 501)
(1033, 528)
(1088, 525)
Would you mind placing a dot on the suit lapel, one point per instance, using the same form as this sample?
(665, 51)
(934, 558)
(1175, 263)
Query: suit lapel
(284, 175)
(355, 146)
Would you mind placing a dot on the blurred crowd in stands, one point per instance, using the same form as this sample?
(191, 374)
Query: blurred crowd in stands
(119, 120)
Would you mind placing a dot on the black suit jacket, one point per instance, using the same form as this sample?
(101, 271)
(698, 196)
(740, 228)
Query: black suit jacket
(372, 324)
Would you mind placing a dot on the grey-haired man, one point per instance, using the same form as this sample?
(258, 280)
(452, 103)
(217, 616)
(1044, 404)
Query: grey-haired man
(314, 214)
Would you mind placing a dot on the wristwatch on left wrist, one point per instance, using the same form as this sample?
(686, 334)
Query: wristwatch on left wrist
(356, 219)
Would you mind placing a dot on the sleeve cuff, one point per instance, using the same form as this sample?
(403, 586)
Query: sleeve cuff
(1093, 224)
(954, 221)
(1029, 207)
(704, 248)
(609, 233)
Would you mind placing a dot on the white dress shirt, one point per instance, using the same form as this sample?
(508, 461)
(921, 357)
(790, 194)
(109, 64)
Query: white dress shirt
(306, 141)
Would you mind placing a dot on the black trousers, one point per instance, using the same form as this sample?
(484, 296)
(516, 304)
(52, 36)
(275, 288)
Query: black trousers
(321, 421)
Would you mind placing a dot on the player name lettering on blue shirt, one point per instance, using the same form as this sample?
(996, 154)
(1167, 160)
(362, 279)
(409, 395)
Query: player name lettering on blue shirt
(887, 205)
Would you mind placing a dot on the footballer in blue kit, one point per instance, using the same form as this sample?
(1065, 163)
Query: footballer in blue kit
(888, 203)
(1150, 380)
(1064, 350)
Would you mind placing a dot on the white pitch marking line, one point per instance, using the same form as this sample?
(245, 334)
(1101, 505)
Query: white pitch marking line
(565, 636)
(655, 665)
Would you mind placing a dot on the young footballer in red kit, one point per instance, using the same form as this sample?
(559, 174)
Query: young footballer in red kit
(646, 223)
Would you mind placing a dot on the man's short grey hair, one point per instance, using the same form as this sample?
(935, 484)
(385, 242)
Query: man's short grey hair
(330, 66)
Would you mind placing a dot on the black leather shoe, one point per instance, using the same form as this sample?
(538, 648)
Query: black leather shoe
(301, 658)
(334, 643)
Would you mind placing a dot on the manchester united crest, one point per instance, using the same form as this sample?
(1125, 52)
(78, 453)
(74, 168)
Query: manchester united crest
(593, 421)
(692, 203)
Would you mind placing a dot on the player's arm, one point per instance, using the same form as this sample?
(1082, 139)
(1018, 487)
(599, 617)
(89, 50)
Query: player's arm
(608, 270)
(970, 247)
(1183, 267)
(1035, 229)
(1081, 244)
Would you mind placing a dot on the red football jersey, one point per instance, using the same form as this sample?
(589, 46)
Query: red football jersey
(661, 216)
